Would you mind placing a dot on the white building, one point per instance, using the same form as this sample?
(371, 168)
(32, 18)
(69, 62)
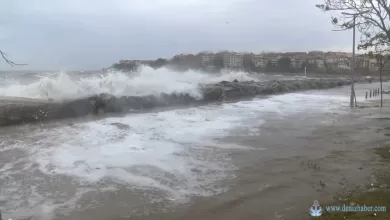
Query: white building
(297, 63)
(259, 60)
(320, 63)
(262, 60)
(343, 64)
(233, 60)
(206, 59)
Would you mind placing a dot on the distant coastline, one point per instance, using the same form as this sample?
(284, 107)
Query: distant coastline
(317, 62)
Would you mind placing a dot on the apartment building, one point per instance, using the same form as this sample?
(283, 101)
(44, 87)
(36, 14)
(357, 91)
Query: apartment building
(343, 64)
(297, 62)
(233, 60)
(206, 59)
(320, 63)
(260, 60)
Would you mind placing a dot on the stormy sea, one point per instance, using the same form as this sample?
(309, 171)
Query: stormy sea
(135, 165)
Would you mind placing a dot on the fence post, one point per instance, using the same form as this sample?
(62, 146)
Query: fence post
(370, 93)
(366, 98)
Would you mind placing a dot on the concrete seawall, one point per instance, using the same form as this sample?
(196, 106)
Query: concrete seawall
(15, 111)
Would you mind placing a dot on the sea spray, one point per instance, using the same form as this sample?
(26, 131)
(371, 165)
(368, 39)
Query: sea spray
(40, 111)
(67, 86)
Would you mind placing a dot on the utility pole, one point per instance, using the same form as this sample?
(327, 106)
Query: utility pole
(383, 59)
(352, 102)
(380, 79)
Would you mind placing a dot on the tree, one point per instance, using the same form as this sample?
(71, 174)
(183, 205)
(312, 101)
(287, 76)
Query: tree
(160, 62)
(371, 18)
(218, 60)
(284, 64)
(382, 57)
(11, 63)
(126, 65)
(270, 68)
(248, 62)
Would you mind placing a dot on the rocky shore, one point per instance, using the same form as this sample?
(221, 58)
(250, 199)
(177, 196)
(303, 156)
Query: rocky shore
(21, 111)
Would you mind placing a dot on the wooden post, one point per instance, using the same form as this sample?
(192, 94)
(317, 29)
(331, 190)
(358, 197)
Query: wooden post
(366, 94)
(370, 93)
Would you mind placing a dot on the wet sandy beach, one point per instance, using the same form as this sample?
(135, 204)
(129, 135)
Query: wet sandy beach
(272, 166)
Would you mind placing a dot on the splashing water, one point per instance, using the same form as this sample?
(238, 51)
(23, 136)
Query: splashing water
(147, 81)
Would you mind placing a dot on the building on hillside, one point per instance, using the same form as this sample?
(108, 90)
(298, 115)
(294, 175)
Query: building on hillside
(206, 59)
(343, 64)
(375, 67)
(320, 63)
(274, 59)
(269, 58)
(338, 54)
(259, 60)
(298, 59)
(311, 60)
(295, 54)
(233, 60)
(362, 62)
(335, 59)
(297, 62)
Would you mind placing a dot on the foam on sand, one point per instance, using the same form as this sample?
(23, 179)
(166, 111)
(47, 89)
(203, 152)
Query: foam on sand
(173, 152)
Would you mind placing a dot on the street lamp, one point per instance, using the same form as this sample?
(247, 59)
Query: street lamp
(351, 103)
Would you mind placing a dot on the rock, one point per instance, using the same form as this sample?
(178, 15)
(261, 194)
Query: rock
(213, 94)
(304, 85)
(40, 111)
(106, 96)
(233, 93)
(277, 87)
(292, 87)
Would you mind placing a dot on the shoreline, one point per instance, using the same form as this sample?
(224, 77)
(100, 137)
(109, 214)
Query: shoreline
(346, 158)
(288, 164)
(281, 182)
(14, 111)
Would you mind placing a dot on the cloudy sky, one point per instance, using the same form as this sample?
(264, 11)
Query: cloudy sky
(92, 34)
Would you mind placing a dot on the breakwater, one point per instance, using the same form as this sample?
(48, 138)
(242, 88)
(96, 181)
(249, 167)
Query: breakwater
(15, 111)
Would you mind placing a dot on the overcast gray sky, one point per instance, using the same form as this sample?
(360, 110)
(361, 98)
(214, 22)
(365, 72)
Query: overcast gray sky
(92, 34)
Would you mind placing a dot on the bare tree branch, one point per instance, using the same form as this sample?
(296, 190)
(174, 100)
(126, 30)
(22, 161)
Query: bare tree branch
(372, 19)
(11, 63)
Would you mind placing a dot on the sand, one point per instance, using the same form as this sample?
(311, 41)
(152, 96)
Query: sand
(309, 159)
